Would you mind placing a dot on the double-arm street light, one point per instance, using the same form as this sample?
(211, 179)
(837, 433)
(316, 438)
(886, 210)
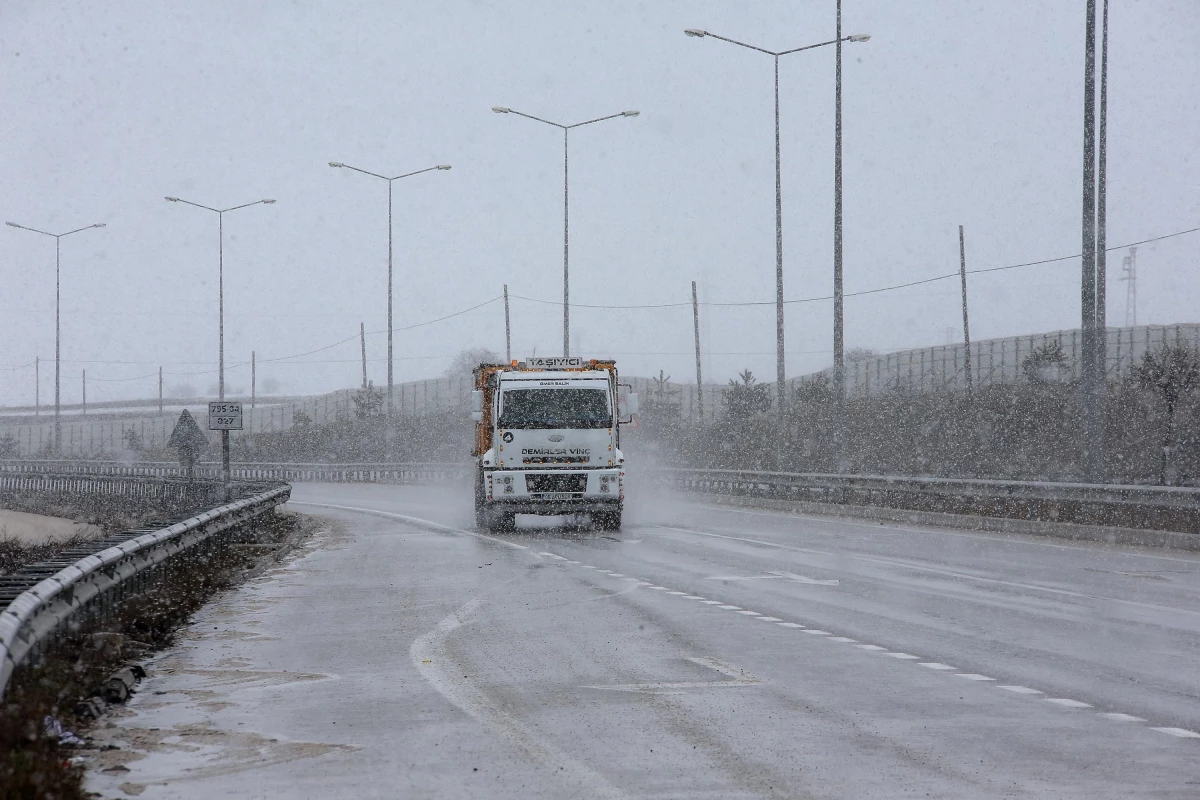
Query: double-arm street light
(57, 316)
(566, 129)
(390, 181)
(837, 278)
(221, 212)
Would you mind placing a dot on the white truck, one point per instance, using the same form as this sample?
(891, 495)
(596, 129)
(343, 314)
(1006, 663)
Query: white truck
(547, 440)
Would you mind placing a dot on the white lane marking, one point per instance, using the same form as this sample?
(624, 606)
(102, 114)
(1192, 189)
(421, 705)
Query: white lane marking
(711, 602)
(936, 532)
(1182, 733)
(570, 561)
(789, 625)
(816, 632)
(872, 647)
(845, 639)
(904, 656)
(935, 665)
(971, 676)
(428, 523)
(692, 597)
(1020, 690)
(774, 575)
(770, 619)
(435, 662)
(1067, 703)
(616, 575)
(678, 593)
(553, 555)
(730, 608)
(750, 613)
(657, 588)
(736, 678)
(588, 566)
(902, 564)
(1121, 717)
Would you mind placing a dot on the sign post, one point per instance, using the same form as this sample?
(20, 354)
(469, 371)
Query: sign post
(224, 416)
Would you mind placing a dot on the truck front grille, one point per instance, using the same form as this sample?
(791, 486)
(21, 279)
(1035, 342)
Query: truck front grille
(555, 460)
(556, 483)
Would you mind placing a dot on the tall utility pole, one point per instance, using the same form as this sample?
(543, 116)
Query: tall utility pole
(1129, 275)
(1092, 291)
(253, 379)
(221, 212)
(566, 129)
(779, 325)
(507, 329)
(1101, 238)
(962, 260)
(390, 181)
(37, 387)
(160, 390)
(362, 338)
(696, 335)
(85, 394)
(57, 318)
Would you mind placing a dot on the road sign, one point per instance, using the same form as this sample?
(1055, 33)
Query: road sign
(223, 416)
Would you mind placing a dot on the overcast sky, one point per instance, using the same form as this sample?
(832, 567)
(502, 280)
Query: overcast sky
(955, 112)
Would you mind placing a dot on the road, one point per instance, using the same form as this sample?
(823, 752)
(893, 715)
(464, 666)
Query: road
(703, 652)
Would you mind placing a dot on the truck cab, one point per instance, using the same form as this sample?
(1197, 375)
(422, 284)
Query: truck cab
(548, 441)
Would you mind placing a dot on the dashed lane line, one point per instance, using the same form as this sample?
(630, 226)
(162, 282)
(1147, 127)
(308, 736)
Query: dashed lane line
(1182, 733)
(1064, 702)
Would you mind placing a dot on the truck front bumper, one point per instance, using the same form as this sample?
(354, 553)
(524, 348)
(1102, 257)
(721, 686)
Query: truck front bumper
(558, 491)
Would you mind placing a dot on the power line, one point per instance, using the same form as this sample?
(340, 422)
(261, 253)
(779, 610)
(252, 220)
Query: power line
(863, 291)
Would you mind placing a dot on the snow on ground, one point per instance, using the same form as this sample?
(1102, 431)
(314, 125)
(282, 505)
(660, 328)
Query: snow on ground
(38, 529)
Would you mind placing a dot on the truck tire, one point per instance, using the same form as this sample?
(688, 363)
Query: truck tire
(501, 521)
(481, 516)
(608, 520)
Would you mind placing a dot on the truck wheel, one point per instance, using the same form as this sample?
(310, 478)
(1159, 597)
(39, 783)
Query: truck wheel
(608, 520)
(502, 521)
(481, 517)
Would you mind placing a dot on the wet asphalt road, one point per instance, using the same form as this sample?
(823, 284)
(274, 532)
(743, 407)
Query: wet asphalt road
(703, 652)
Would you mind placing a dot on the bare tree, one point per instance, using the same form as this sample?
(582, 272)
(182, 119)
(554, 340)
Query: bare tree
(465, 362)
(1172, 374)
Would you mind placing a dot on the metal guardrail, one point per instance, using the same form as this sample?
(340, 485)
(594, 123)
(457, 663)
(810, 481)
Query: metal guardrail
(33, 618)
(298, 473)
(1147, 507)
(140, 488)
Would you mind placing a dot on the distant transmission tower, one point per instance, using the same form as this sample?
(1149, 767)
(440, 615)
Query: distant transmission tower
(1129, 275)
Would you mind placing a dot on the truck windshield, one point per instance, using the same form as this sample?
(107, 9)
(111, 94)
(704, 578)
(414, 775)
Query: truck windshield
(555, 408)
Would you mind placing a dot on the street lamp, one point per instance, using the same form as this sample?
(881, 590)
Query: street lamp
(340, 165)
(566, 196)
(57, 317)
(837, 236)
(220, 212)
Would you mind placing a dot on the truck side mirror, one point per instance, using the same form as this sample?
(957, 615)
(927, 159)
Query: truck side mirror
(631, 404)
(477, 406)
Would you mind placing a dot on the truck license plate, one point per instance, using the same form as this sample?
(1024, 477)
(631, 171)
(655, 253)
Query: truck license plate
(558, 495)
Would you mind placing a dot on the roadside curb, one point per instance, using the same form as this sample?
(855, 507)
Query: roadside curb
(1058, 530)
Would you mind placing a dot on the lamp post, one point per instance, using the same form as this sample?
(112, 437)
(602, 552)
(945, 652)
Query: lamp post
(837, 233)
(390, 181)
(57, 316)
(221, 212)
(566, 129)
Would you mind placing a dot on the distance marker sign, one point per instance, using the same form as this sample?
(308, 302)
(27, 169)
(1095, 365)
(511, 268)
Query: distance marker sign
(224, 416)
